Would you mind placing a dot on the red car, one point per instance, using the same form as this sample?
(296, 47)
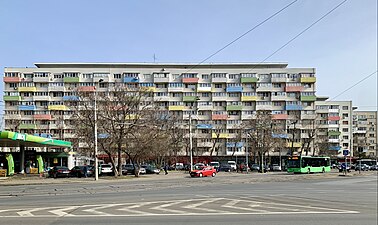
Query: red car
(204, 172)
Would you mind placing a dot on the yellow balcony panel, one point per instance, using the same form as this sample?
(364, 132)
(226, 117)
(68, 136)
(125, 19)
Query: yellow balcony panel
(308, 79)
(57, 107)
(132, 117)
(248, 98)
(221, 135)
(148, 89)
(295, 144)
(176, 107)
(27, 89)
(28, 126)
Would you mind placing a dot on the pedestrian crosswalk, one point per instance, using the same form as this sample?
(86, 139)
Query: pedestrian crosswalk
(194, 207)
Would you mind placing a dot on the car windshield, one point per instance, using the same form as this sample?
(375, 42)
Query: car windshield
(106, 166)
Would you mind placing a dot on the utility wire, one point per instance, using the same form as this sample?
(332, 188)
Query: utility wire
(303, 31)
(354, 85)
(244, 34)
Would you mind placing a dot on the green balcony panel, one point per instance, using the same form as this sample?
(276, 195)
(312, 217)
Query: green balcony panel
(234, 107)
(334, 133)
(12, 98)
(190, 98)
(308, 98)
(71, 79)
(28, 126)
(248, 79)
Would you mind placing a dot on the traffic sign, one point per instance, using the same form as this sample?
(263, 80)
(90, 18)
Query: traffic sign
(345, 152)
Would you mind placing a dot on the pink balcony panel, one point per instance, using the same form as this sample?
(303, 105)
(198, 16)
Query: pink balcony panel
(87, 88)
(279, 116)
(12, 79)
(294, 88)
(334, 118)
(42, 117)
(190, 80)
(219, 117)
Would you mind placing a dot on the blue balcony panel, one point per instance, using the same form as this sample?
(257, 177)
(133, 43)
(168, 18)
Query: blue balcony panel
(233, 144)
(334, 148)
(293, 107)
(44, 135)
(130, 80)
(204, 126)
(71, 98)
(103, 135)
(234, 89)
(26, 107)
(280, 136)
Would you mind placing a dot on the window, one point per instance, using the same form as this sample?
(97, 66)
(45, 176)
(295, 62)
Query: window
(117, 76)
(87, 75)
(346, 137)
(345, 107)
(58, 76)
(205, 94)
(218, 86)
(205, 76)
(345, 123)
(233, 76)
(345, 129)
(218, 75)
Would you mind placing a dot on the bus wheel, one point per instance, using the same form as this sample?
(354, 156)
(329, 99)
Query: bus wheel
(308, 171)
(323, 171)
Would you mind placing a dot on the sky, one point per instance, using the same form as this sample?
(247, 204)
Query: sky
(342, 47)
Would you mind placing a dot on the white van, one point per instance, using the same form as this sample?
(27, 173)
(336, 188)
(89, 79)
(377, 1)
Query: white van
(232, 164)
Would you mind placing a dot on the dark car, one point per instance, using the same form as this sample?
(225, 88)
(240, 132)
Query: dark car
(255, 167)
(362, 167)
(225, 168)
(78, 171)
(130, 169)
(59, 171)
(150, 169)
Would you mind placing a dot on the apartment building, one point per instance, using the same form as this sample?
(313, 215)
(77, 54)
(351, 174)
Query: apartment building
(218, 96)
(365, 133)
(334, 123)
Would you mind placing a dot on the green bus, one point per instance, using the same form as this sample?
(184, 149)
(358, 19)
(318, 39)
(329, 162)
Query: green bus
(308, 164)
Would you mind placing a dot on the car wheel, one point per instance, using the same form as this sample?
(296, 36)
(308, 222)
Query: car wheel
(200, 175)
(213, 174)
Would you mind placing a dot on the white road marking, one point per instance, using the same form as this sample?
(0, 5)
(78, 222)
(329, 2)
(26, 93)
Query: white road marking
(163, 207)
(94, 210)
(61, 212)
(232, 204)
(196, 205)
(133, 210)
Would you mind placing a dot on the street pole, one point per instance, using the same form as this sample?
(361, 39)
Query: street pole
(190, 141)
(246, 153)
(95, 135)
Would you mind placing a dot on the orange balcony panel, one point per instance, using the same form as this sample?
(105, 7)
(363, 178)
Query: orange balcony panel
(280, 116)
(12, 79)
(294, 88)
(42, 117)
(334, 118)
(190, 80)
(87, 88)
(219, 117)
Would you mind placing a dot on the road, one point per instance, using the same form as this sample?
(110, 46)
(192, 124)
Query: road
(177, 199)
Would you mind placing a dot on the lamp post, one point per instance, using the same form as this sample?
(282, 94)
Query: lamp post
(95, 132)
(246, 152)
(190, 141)
(292, 141)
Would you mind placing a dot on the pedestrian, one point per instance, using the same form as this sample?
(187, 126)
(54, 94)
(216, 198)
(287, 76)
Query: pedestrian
(85, 171)
(166, 169)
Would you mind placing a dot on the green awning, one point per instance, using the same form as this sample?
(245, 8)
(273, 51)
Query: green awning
(15, 139)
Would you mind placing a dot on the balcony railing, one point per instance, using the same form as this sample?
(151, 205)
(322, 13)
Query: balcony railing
(12, 79)
(27, 89)
(71, 79)
(308, 98)
(308, 79)
(11, 98)
(42, 117)
(190, 80)
(234, 107)
(176, 107)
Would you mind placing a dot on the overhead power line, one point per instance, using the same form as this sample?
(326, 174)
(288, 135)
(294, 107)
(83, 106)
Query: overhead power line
(244, 34)
(354, 85)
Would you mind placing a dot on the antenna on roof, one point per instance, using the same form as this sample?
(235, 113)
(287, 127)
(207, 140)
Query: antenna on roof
(154, 57)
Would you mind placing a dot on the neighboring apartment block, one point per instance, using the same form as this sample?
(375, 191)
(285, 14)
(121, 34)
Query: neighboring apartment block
(334, 125)
(365, 133)
(220, 97)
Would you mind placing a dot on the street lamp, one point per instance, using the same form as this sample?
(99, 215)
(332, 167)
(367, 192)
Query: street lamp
(95, 131)
(190, 136)
(292, 140)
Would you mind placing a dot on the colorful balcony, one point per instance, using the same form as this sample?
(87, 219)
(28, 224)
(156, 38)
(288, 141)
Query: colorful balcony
(334, 118)
(248, 98)
(71, 98)
(57, 107)
(294, 88)
(280, 116)
(190, 98)
(42, 117)
(27, 89)
(176, 107)
(334, 148)
(234, 144)
(191, 80)
(293, 107)
(132, 117)
(12, 79)
(130, 80)
(294, 144)
(148, 89)
(311, 98)
(204, 89)
(333, 133)
(11, 98)
(248, 79)
(204, 126)
(308, 79)
(71, 79)
(219, 135)
(28, 126)
(27, 107)
(234, 89)
(219, 117)
(234, 107)
(283, 136)
(87, 88)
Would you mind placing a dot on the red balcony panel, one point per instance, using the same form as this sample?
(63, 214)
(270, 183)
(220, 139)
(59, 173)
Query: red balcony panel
(279, 116)
(87, 88)
(12, 79)
(42, 117)
(219, 117)
(190, 80)
(334, 118)
(294, 88)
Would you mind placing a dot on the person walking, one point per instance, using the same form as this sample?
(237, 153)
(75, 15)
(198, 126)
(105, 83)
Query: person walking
(85, 171)
(166, 169)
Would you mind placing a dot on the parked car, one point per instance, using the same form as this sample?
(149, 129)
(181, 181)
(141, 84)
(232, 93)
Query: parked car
(106, 169)
(216, 165)
(130, 169)
(344, 166)
(232, 164)
(362, 167)
(150, 169)
(255, 167)
(198, 166)
(276, 167)
(78, 171)
(225, 168)
(374, 167)
(204, 172)
(266, 168)
(59, 171)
